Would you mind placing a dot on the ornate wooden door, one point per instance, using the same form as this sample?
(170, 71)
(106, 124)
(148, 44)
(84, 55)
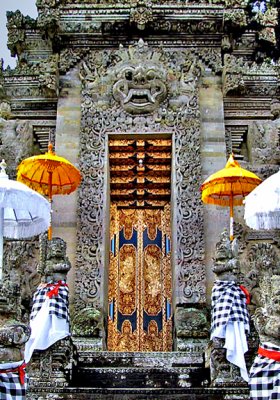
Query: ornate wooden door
(140, 280)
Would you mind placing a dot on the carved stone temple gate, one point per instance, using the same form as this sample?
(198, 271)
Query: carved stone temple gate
(147, 98)
(115, 100)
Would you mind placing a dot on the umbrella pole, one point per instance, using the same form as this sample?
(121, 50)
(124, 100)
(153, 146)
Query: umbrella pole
(1, 241)
(231, 217)
(50, 200)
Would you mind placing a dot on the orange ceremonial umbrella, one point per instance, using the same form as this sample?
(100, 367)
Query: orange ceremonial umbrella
(229, 186)
(49, 175)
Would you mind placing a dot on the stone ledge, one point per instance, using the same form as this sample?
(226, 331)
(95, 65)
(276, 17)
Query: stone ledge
(143, 394)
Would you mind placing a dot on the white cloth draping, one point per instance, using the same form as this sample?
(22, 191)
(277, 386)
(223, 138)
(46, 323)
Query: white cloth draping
(46, 329)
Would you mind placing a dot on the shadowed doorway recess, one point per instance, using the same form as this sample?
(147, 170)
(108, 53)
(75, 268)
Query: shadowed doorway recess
(140, 317)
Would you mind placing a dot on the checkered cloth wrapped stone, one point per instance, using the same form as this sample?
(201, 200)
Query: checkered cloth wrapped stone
(59, 303)
(228, 305)
(264, 379)
(13, 381)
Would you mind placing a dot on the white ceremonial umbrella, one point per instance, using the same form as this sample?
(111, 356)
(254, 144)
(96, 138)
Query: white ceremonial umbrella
(262, 205)
(23, 212)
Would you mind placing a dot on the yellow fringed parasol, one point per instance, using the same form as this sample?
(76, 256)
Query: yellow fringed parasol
(229, 186)
(49, 174)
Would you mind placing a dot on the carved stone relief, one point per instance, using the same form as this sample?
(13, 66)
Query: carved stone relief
(268, 20)
(141, 13)
(167, 103)
(259, 259)
(52, 368)
(16, 36)
(54, 264)
(267, 318)
(54, 16)
(20, 278)
(5, 112)
(191, 322)
(107, 108)
(264, 277)
(13, 336)
(239, 77)
(264, 258)
(264, 139)
(227, 268)
(16, 143)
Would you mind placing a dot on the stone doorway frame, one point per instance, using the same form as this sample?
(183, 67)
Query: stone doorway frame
(101, 116)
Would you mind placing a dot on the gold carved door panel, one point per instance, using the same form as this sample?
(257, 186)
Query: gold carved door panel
(140, 280)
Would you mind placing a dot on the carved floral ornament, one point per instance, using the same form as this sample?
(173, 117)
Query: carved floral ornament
(142, 13)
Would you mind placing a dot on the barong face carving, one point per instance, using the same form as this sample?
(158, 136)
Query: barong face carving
(140, 88)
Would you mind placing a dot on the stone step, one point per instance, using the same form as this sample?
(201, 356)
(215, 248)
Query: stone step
(89, 356)
(148, 377)
(209, 393)
(112, 359)
(106, 369)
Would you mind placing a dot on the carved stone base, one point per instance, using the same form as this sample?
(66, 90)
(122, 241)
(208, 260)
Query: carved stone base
(223, 373)
(52, 367)
(191, 322)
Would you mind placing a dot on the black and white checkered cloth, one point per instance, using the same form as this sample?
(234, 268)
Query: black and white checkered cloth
(59, 303)
(13, 383)
(264, 378)
(228, 305)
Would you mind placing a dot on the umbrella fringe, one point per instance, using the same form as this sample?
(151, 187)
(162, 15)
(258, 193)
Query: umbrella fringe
(25, 230)
(269, 220)
(237, 188)
(208, 196)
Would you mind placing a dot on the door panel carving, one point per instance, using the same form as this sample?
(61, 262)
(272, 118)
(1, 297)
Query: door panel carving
(140, 280)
